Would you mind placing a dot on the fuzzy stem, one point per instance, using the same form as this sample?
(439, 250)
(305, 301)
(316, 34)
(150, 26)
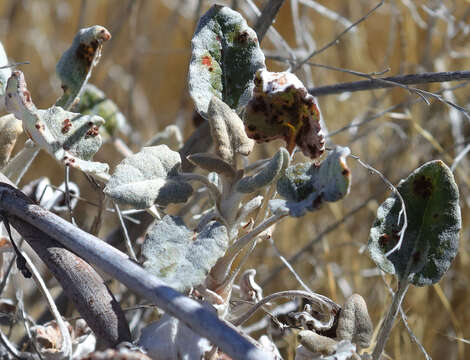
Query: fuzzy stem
(386, 328)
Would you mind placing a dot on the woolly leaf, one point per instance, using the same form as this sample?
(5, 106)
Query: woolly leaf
(181, 257)
(168, 338)
(281, 108)
(305, 186)
(75, 66)
(276, 165)
(225, 57)
(431, 238)
(227, 131)
(170, 136)
(212, 163)
(93, 101)
(10, 128)
(147, 178)
(71, 138)
(4, 73)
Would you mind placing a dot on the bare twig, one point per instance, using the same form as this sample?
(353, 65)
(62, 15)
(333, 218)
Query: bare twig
(274, 273)
(317, 299)
(119, 266)
(328, 13)
(267, 17)
(127, 241)
(410, 79)
(336, 39)
(402, 212)
(66, 346)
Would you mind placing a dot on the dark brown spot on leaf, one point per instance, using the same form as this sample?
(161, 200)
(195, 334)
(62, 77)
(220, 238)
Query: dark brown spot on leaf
(422, 186)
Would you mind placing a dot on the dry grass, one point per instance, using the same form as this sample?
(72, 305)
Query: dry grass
(144, 69)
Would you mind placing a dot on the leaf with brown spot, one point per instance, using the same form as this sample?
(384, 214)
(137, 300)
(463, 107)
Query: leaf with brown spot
(75, 66)
(431, 239)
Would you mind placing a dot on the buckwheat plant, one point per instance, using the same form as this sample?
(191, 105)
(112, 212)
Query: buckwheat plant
(191, 262)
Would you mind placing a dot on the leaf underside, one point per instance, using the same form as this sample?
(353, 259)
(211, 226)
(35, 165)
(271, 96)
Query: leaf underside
(181, 257)
(306, 186)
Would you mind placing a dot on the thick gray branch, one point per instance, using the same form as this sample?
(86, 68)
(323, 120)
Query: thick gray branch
(119, 266)
(410, 79)
(267, 17)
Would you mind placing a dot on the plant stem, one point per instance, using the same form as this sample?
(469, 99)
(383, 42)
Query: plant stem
(409, 79)
(384, 332)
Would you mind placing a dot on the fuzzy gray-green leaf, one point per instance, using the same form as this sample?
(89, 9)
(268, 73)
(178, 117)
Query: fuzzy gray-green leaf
(272, 170)
(225, 58)
(93, 101)
(149, 177)
(75, 66)
(431, 238)
(72, 138)
(180, 256)
(305, 186)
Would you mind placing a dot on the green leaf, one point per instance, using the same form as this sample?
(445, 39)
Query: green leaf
(71, 138)
(180, 256)
(305, 186)
(431, 238)
(225, 57)
(93, 101)
(282, 108)
(75, 66)
(149, 177)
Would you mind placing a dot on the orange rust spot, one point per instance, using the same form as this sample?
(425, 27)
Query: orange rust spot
(206, 60)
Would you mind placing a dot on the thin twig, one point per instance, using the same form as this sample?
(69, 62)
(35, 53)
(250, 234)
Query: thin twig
(314, 298)
(460, 157)
(336, 40)
(267, 17)
(328, 13)
(289, 266)
(405, 321)
(127, 240)
(397, 193)
(409, 79)
(274, 273)
(66, 345)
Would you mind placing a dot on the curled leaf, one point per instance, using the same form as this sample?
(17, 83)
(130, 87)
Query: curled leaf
(431, 239)
(354, 323)
(271, 171)
(228, 131)
(71, 138)
(75, 66)
(10, 128)
(181, 257)
(93, 101)
(305, 186)
(212, 163)
(281, 108)
(225, 57)
(147, 178)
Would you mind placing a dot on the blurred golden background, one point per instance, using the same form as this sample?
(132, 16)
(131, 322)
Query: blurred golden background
(144, 70)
